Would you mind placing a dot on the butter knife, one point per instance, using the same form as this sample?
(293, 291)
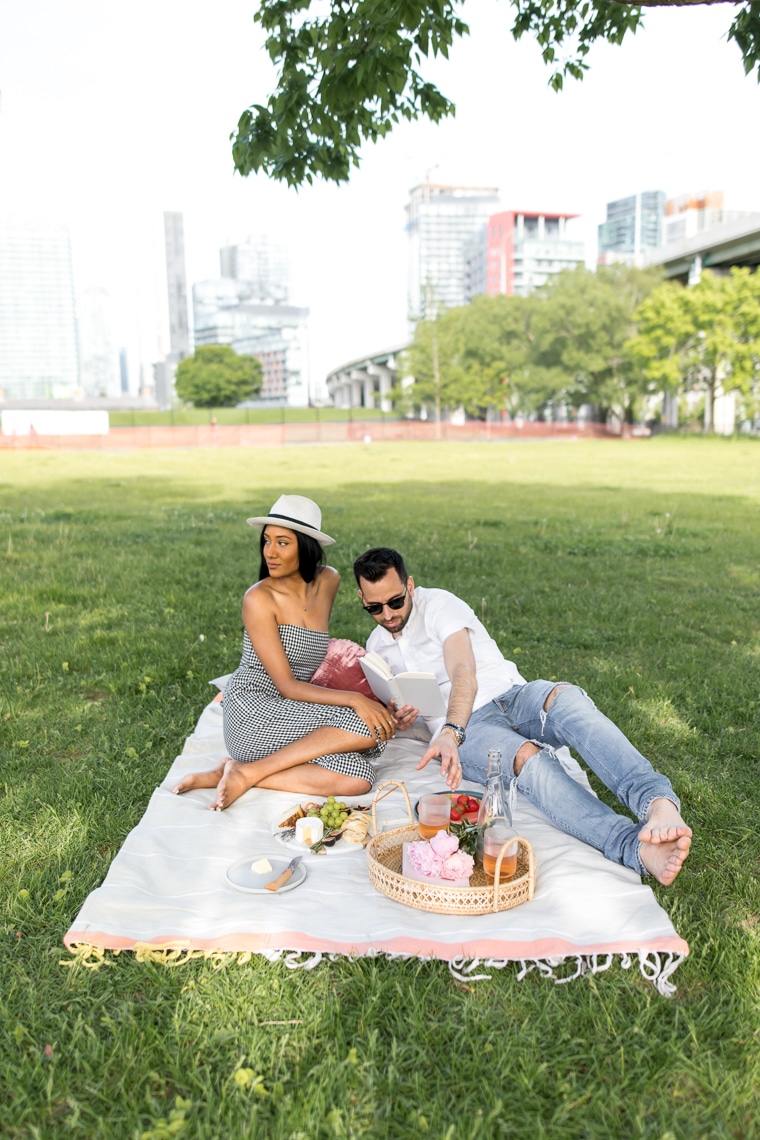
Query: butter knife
(283, 877)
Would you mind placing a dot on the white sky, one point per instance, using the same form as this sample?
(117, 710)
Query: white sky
(112, 114)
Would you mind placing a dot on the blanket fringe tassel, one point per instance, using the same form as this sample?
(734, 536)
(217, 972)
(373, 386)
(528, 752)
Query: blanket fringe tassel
(656, 967)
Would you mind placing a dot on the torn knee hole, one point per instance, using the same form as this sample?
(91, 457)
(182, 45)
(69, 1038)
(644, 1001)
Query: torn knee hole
(524, 753)
(553, 696)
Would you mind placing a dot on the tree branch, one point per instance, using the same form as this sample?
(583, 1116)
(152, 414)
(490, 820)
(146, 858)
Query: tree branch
(673, 3)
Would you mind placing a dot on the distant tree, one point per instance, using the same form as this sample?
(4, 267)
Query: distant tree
(565, 343)
(494, 368)
(581, 326)
(494, 345)
(434, 359)
(349, 70)
(703, 338)
(216, 377)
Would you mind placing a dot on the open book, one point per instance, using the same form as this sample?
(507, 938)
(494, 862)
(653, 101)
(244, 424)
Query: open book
(417, 689)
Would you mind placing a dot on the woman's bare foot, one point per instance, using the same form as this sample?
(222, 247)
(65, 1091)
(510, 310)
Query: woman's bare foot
(663, 824)
(664, 860)
(236, 779)
(208, 779)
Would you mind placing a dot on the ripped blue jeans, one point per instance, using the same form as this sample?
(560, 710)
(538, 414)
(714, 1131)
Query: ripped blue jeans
(573, 720)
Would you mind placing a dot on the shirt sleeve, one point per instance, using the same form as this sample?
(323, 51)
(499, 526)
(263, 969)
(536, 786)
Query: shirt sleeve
(447, 614)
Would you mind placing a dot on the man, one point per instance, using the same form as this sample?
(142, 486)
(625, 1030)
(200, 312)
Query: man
(489, 705)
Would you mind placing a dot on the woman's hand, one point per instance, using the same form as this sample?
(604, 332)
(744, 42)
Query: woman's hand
(378, 719)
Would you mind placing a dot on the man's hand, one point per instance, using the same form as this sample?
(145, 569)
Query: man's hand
(404, 716)
(451, 768)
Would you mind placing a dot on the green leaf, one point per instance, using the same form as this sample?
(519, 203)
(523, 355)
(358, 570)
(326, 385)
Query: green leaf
(347, 74)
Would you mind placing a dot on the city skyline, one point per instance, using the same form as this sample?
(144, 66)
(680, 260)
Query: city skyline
(124, 152)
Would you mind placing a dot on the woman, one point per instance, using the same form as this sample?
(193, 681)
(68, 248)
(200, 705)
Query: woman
(280, 731)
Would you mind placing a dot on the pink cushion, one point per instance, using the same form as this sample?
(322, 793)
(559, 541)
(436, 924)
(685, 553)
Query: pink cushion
(341, 669)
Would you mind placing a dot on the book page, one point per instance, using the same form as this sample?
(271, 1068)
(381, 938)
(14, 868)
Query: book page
(385, 688)
(375, 661)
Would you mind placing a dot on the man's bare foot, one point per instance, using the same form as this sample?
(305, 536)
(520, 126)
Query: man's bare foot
(663, 824)
(665, 860)
(236, 779)
(208, 779)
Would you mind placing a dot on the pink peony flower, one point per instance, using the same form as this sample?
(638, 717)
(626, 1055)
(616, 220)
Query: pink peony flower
(424, 858)
(444, 844)
(460, 865)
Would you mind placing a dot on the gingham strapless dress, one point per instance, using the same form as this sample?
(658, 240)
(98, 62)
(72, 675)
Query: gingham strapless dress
(258, 721)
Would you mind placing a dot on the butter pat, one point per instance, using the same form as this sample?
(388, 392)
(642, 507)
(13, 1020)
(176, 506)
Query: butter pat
(309, 830)
(261, 866)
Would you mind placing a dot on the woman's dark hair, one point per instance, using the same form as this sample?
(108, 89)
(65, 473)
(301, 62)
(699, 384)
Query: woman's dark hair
(374, 564)
(310, 556)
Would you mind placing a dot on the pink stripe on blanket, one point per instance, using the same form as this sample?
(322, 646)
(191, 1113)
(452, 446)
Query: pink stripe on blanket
(415, 947)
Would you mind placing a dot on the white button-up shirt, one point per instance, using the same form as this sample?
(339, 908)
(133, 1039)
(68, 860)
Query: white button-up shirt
(436, 614)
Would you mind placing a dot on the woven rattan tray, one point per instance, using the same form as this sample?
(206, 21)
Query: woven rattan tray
(384, 860)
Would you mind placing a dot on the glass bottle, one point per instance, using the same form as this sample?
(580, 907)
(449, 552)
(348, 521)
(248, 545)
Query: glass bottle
(495, 823)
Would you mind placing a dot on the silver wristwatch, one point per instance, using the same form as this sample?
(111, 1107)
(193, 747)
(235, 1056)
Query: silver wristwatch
(458, 731)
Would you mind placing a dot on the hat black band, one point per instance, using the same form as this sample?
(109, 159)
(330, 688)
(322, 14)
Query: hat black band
(289, 518)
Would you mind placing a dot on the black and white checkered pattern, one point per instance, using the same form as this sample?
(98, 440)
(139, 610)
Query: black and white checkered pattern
(258, 721)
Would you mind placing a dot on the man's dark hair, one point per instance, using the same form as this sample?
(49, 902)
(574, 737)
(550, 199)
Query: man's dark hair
(310, 556)
(374, 564)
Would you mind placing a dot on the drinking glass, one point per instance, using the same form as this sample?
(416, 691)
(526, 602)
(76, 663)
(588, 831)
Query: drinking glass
(434, 813)
(494, 838)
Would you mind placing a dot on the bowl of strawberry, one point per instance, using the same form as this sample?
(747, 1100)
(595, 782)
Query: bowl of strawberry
(464, 808)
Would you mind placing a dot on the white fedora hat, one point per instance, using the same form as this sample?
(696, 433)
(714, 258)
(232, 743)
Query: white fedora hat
(295, 512)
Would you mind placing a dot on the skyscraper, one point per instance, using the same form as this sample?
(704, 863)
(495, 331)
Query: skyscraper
(259, 262)
(176, 282)
(164, 371)
(440, 219)
(98, 359)
(38, 335)
(517, 251)
(247, 308)
(633, 226)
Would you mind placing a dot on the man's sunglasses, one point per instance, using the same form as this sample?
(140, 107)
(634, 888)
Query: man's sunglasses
(376, 608)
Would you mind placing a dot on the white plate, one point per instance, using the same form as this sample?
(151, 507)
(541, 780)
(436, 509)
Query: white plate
(243, 878)
(339, 848)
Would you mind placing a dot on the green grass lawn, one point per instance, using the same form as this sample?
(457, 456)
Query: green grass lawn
(630, 568)
(138, 418)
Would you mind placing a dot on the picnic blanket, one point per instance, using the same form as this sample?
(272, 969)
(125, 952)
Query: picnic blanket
(166, 892)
